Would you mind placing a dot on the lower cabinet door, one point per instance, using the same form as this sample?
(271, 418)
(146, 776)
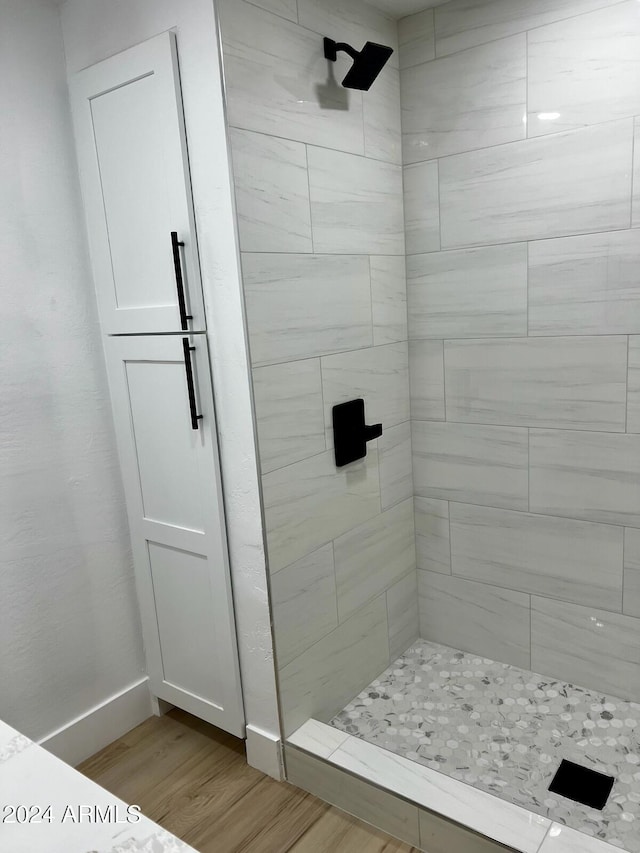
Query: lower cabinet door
(165, 425)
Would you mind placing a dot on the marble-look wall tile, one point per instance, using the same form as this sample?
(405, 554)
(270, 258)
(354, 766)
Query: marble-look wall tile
(421, 208)
(402, 615)
(470, 100)
(578, 645)
(577, 561)
(566, 383)
(285, 8)
(475, 617)
(438, 835)
(585, 285)
(469, 463)
(631, 593)
(584, 70)
(276, 80)
(464, 23)
(589, 475)
(396, 469)
(289, 412)
(482, 192)
(303, 598)
(416, 36)
(633, 385)
(382, 136)
(397, 817)
(468, 293)
(272, 193)
(373, 556)
(311, 502)
(352, 21)
(300, 306)
(388, 298)
(320, 681)
(635, 215)
(380, 375)
(426, 376)
(433, 551)
(356, 204)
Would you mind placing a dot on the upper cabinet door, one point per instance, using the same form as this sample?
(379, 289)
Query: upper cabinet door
(134, 171)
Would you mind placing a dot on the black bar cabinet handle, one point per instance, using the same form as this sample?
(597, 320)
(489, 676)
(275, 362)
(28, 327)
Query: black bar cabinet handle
(195, 417)
(175, 246)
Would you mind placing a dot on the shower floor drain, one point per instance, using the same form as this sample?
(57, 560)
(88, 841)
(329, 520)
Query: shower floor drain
(582, 785)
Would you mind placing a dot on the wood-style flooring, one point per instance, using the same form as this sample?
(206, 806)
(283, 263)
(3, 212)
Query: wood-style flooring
(193, 780)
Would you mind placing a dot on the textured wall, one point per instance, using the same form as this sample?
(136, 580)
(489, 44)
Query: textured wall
(69, 628)
(319, 199)
(523, 276)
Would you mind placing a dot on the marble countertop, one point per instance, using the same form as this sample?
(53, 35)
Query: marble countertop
(48, 807)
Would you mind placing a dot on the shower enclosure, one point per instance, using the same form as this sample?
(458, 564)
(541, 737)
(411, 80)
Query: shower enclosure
(458, 246)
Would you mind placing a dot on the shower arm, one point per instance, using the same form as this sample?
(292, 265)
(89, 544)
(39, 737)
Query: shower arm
(331, 49)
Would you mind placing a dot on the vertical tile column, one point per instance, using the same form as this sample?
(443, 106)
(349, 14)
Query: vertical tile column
(319, 199)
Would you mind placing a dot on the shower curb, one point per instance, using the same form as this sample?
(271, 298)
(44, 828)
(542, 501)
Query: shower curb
(455, 807)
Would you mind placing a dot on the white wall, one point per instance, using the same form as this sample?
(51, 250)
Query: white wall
(93, 30)
(69, 629)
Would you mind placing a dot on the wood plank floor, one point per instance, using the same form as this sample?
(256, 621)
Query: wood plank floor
(193, 780)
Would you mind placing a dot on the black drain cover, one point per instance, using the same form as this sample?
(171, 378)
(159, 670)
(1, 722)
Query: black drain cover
(582, 785)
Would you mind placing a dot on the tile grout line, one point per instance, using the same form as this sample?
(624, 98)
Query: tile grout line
(634, 126)
(530, 632)
(262, 364)
(463, 247)
(578, 428)
(624, 547)
(451, 573)
(546, 836)
(354, 613)
(295, 141)
(528, 262)
(467, 247)
(373, 338)
(626, 397)
(444, 382)
(518, 141)
(528, 470)
(529, 595)
(438, 205)
(335, 578)
(526, 85)
(604, 6)
(621, 525)
(306, 157)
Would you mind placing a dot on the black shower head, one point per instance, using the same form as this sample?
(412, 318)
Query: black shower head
(368, 62)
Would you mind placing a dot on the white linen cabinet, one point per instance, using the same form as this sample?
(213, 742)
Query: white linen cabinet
(134, 172)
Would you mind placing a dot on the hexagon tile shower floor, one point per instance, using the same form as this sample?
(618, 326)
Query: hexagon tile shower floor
(505, 730)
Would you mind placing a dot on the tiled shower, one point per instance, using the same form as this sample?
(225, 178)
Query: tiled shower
(459, 246)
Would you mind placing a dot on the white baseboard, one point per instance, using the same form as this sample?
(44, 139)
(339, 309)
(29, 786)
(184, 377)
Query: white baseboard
(264, 752)
(160, 707)
(101, 725)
